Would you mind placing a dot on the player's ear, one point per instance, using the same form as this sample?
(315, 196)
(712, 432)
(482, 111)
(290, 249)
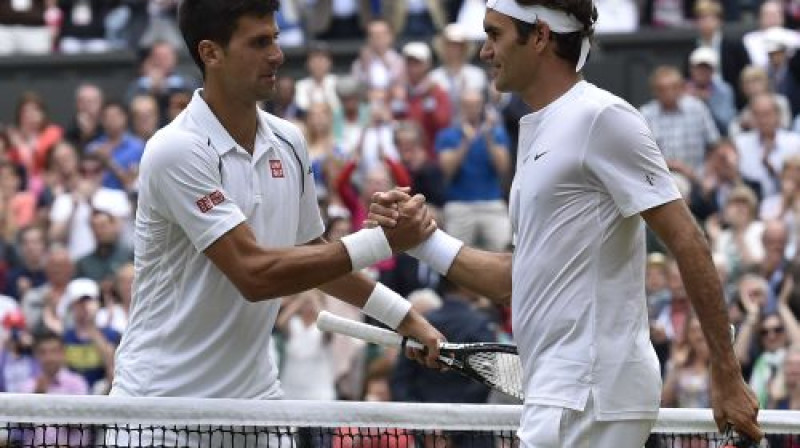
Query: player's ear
(210, 52)
(542, 35)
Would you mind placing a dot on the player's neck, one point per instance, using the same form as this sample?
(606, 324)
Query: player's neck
(546, 89)
(239, 117)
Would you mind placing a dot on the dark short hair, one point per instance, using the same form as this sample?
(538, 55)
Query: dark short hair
(115, 103)
(216, 20)
(568, 45)
(45, 336)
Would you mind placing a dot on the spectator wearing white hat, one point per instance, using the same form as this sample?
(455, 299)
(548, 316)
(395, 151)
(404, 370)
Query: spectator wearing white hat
(89, 349)
(421, 99)
(456, 74)
(770, 25)
(706, 85)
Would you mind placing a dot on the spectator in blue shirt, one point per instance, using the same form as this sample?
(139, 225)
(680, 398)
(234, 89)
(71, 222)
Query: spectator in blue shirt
(475, 159)
(706, 85)
(118, 147)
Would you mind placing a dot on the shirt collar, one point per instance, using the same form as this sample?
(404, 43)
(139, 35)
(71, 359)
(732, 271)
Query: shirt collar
(218, 136)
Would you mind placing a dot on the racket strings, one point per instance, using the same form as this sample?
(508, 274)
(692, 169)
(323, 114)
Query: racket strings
(502, 370)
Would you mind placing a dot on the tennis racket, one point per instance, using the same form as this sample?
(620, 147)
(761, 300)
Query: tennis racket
(495, 365)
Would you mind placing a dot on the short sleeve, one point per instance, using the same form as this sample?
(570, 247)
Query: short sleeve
(622, 155)
(182, 183)
(447, 140)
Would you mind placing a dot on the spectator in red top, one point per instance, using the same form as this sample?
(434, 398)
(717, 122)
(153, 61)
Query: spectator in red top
(421, 99)
(33, 138)
(377, 179)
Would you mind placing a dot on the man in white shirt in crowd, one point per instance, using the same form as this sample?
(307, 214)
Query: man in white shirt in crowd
(589, 175)
(228, 222)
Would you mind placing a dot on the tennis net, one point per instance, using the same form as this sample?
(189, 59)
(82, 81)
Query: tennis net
(68, 421)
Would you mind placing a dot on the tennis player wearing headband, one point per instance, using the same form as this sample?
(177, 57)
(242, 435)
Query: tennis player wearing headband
(228, 223)
(589, 176)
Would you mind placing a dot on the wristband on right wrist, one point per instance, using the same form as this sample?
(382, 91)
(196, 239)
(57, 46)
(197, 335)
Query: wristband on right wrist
(367, 247)
(439, 251)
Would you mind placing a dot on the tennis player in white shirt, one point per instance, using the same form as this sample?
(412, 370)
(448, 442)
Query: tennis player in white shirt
(228, 222)
(589, 176)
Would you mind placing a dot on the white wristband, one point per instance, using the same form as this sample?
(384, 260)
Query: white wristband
(367, 247)
(439, 251)
(386, 306)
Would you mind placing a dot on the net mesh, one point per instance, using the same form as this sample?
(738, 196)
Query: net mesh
(61, 421)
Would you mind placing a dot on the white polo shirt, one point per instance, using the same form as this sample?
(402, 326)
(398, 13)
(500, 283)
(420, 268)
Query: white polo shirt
(191, 333)
(587, 165)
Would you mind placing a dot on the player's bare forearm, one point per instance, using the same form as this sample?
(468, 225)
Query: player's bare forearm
(486, 273)
(675, 226)
(262, 274)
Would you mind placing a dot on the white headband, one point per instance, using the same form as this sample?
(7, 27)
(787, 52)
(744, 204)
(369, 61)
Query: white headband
(558, 21)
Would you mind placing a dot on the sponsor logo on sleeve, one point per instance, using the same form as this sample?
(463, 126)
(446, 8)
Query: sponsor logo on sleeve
(209, 201)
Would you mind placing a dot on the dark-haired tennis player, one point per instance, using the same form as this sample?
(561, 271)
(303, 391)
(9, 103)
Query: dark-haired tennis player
(228, 222)
(589, 176)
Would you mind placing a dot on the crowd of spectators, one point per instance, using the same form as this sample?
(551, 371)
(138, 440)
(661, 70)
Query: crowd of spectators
(419, 115)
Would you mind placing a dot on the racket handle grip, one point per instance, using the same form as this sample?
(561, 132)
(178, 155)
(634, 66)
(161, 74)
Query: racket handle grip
(359, 330)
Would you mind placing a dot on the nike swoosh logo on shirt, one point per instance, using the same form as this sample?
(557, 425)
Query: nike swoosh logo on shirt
(537, 156)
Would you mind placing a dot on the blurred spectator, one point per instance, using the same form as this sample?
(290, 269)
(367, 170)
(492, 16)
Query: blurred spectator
(426, 175)
(89, 348)
(320, 85)
(474, 158)
(739, 241)
(785, 392)
(145, 116)
(338, 19)
(290, 21)
(158, 76)
(41, 304)
(109, 253)
(376, 141)
(421, 99)
(30, 273)
(785, 204)
(55, 379)
(774, 239)
(307, 372)
(161, 24)
(456, 74)
(17, 366)
(116, 309)
(681, 124)
(666, 13)
(616, 16)
(459, 322)
(671, 320)
(323, 151)
(688, 381)
(120, 150)
(71, 211)
(731, 54)
(349, 122)
(705, 85)
(755, 81)
(177, 102)
(85, 125)
(415, 19)
(770, 20)
(720, 176)
(379, 66)
(19, 205)
(777, 331)
(23, 29)
(282, 104)
(32, 138)
(83, 29)
(763, 150)
(655, 283)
